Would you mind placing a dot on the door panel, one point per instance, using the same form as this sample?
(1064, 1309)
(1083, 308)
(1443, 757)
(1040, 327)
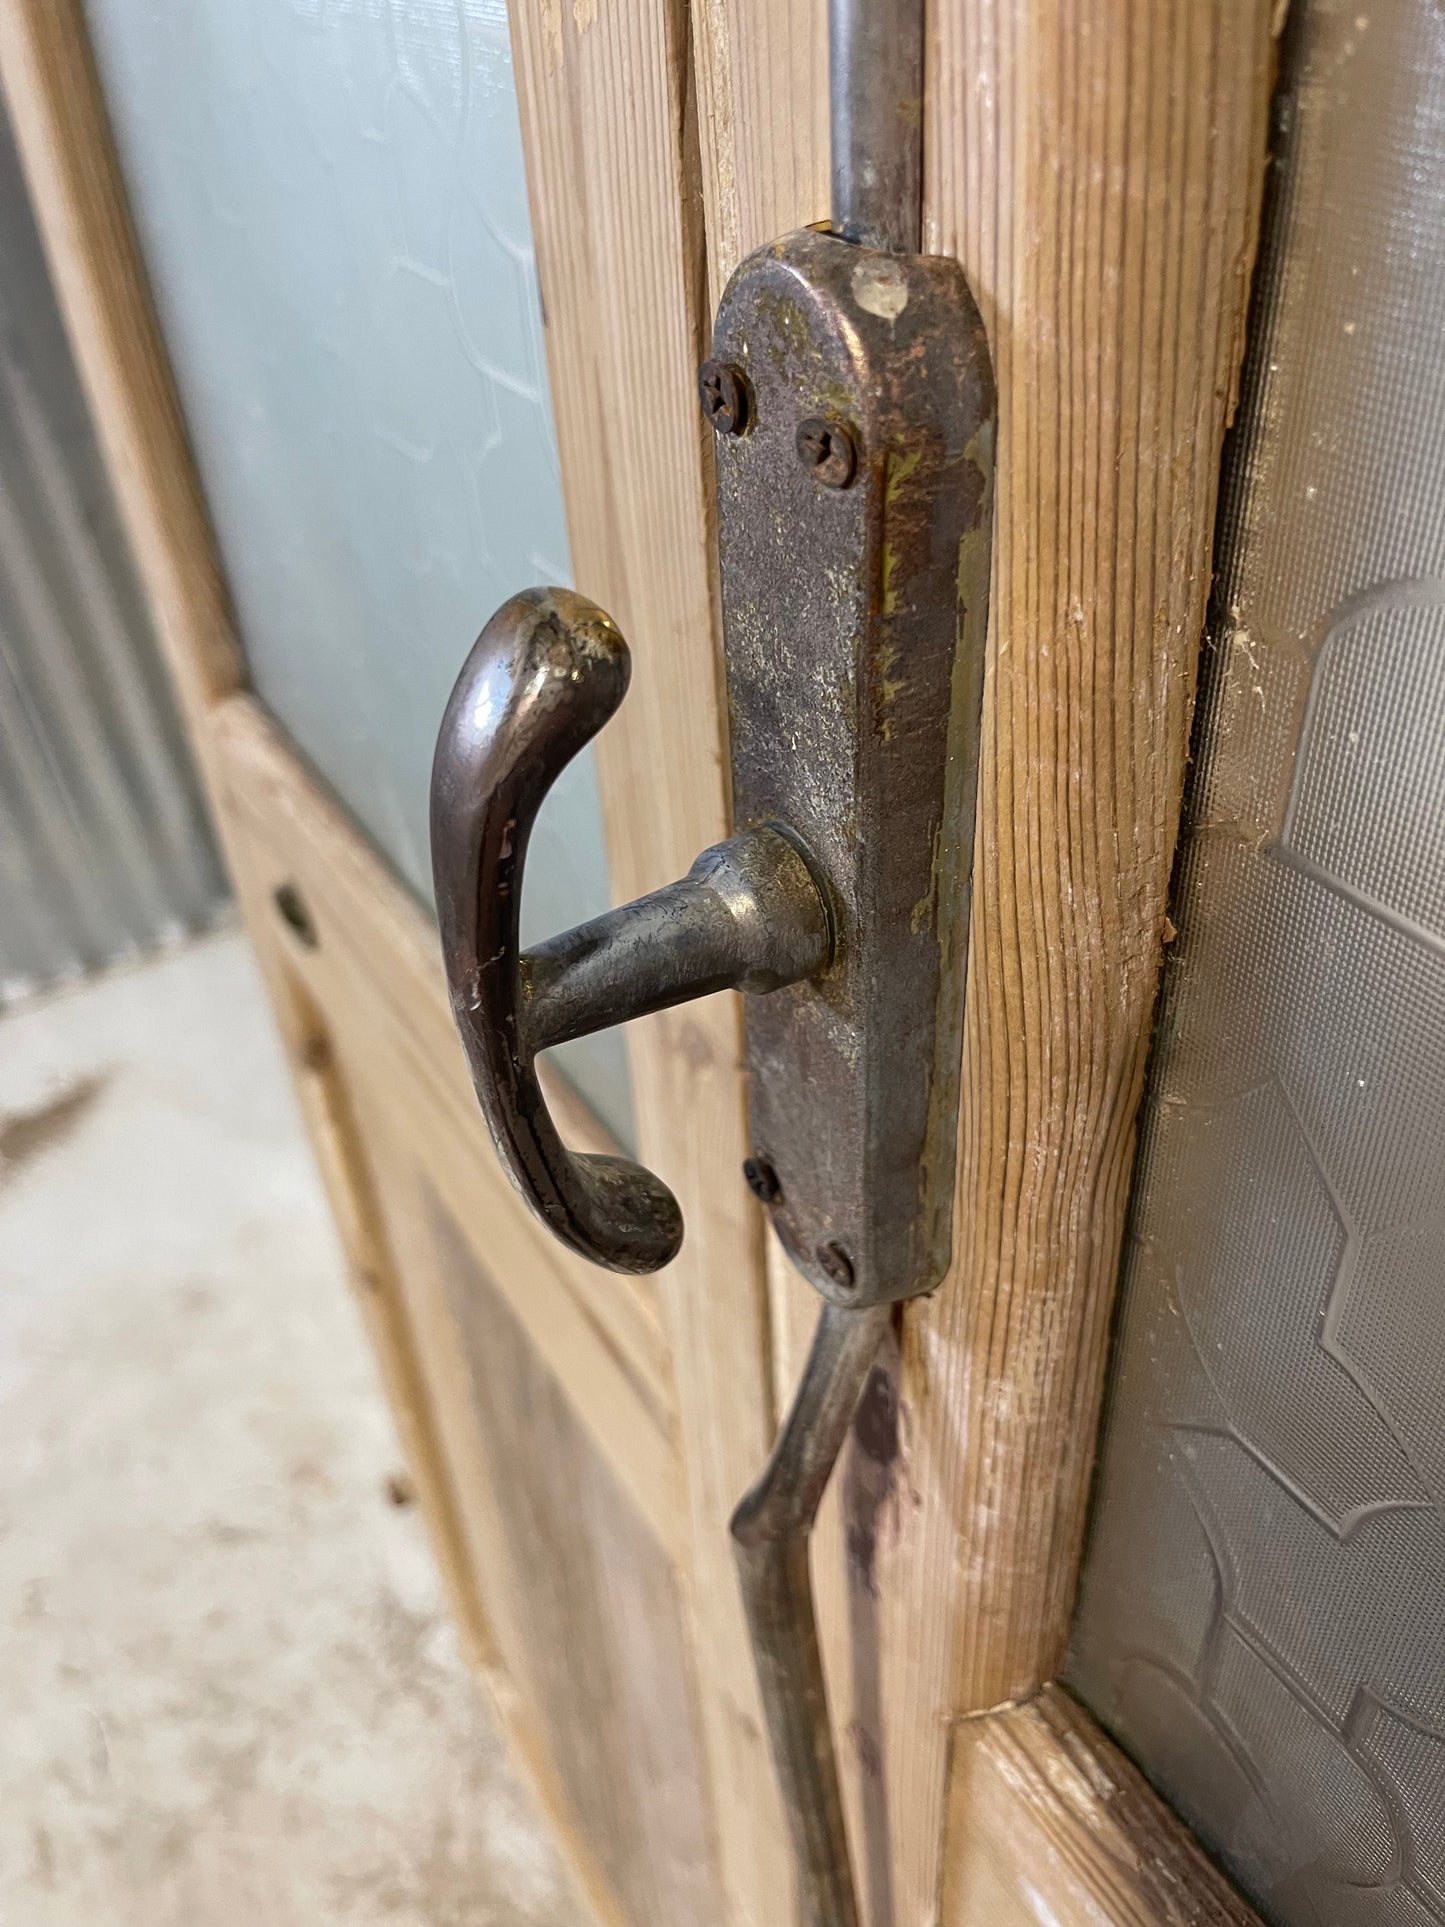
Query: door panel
(599, 1649)
(1261, 1616)
(662, 141)
(333, 210)
(540, 1418)
(669, 1381)
(610, 127)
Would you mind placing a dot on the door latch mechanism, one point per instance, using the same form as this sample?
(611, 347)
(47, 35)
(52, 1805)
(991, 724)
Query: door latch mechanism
(851, 393)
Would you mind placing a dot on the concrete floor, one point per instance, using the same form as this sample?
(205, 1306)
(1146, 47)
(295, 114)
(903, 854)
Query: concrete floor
(229, 1692)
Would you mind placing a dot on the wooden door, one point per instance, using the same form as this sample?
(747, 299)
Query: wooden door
(579, 1438)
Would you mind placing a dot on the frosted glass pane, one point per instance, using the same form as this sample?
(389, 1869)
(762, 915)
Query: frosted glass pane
(331, 201)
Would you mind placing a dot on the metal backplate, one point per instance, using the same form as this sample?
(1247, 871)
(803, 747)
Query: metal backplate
(854, 611)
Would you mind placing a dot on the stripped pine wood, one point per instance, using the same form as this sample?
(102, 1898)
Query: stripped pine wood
(332, 1127)
(403, 1201)
(354, 1148)
(607, 119)
(1097, 166)
(762, 86)
(1100, 175)
(1049, 1822)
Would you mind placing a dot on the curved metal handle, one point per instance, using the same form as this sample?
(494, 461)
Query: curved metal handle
(545, 674)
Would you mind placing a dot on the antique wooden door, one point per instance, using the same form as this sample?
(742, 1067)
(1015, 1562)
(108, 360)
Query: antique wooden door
(578, 1437)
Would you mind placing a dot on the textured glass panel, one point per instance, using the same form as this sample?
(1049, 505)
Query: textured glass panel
(1262, 1620)
(331, 202)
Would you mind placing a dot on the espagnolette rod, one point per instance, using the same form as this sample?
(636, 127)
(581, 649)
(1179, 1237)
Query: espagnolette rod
(875, 87)
(851, 395)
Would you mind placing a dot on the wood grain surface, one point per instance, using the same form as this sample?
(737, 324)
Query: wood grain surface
(762, 90)
(1049, 1822)
(612, 162)
(1097, 166)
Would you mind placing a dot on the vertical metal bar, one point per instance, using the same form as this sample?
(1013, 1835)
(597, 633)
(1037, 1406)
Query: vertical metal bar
(875, 61)
(875, 88)
(770, 1530)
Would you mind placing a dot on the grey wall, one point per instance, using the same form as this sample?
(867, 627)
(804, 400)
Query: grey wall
(1262, 1619)
(104, 847)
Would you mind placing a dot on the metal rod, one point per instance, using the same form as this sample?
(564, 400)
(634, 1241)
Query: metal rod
(770, 1530)
(875, 88)
(747, 916)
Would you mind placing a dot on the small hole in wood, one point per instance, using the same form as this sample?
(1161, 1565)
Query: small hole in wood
(294, 914)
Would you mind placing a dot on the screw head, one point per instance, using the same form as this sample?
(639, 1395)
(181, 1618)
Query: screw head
(723, 391)
(835, 1264)
(762, 1180)
(827, 449)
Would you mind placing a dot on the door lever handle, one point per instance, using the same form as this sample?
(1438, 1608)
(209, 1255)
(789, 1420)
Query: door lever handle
(854, 602)
(544, 676)
(852, 396)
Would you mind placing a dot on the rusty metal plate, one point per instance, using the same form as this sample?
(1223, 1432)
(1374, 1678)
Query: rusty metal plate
(854, 509)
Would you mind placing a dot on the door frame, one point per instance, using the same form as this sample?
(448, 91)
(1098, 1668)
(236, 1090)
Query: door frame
(1108, 234)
